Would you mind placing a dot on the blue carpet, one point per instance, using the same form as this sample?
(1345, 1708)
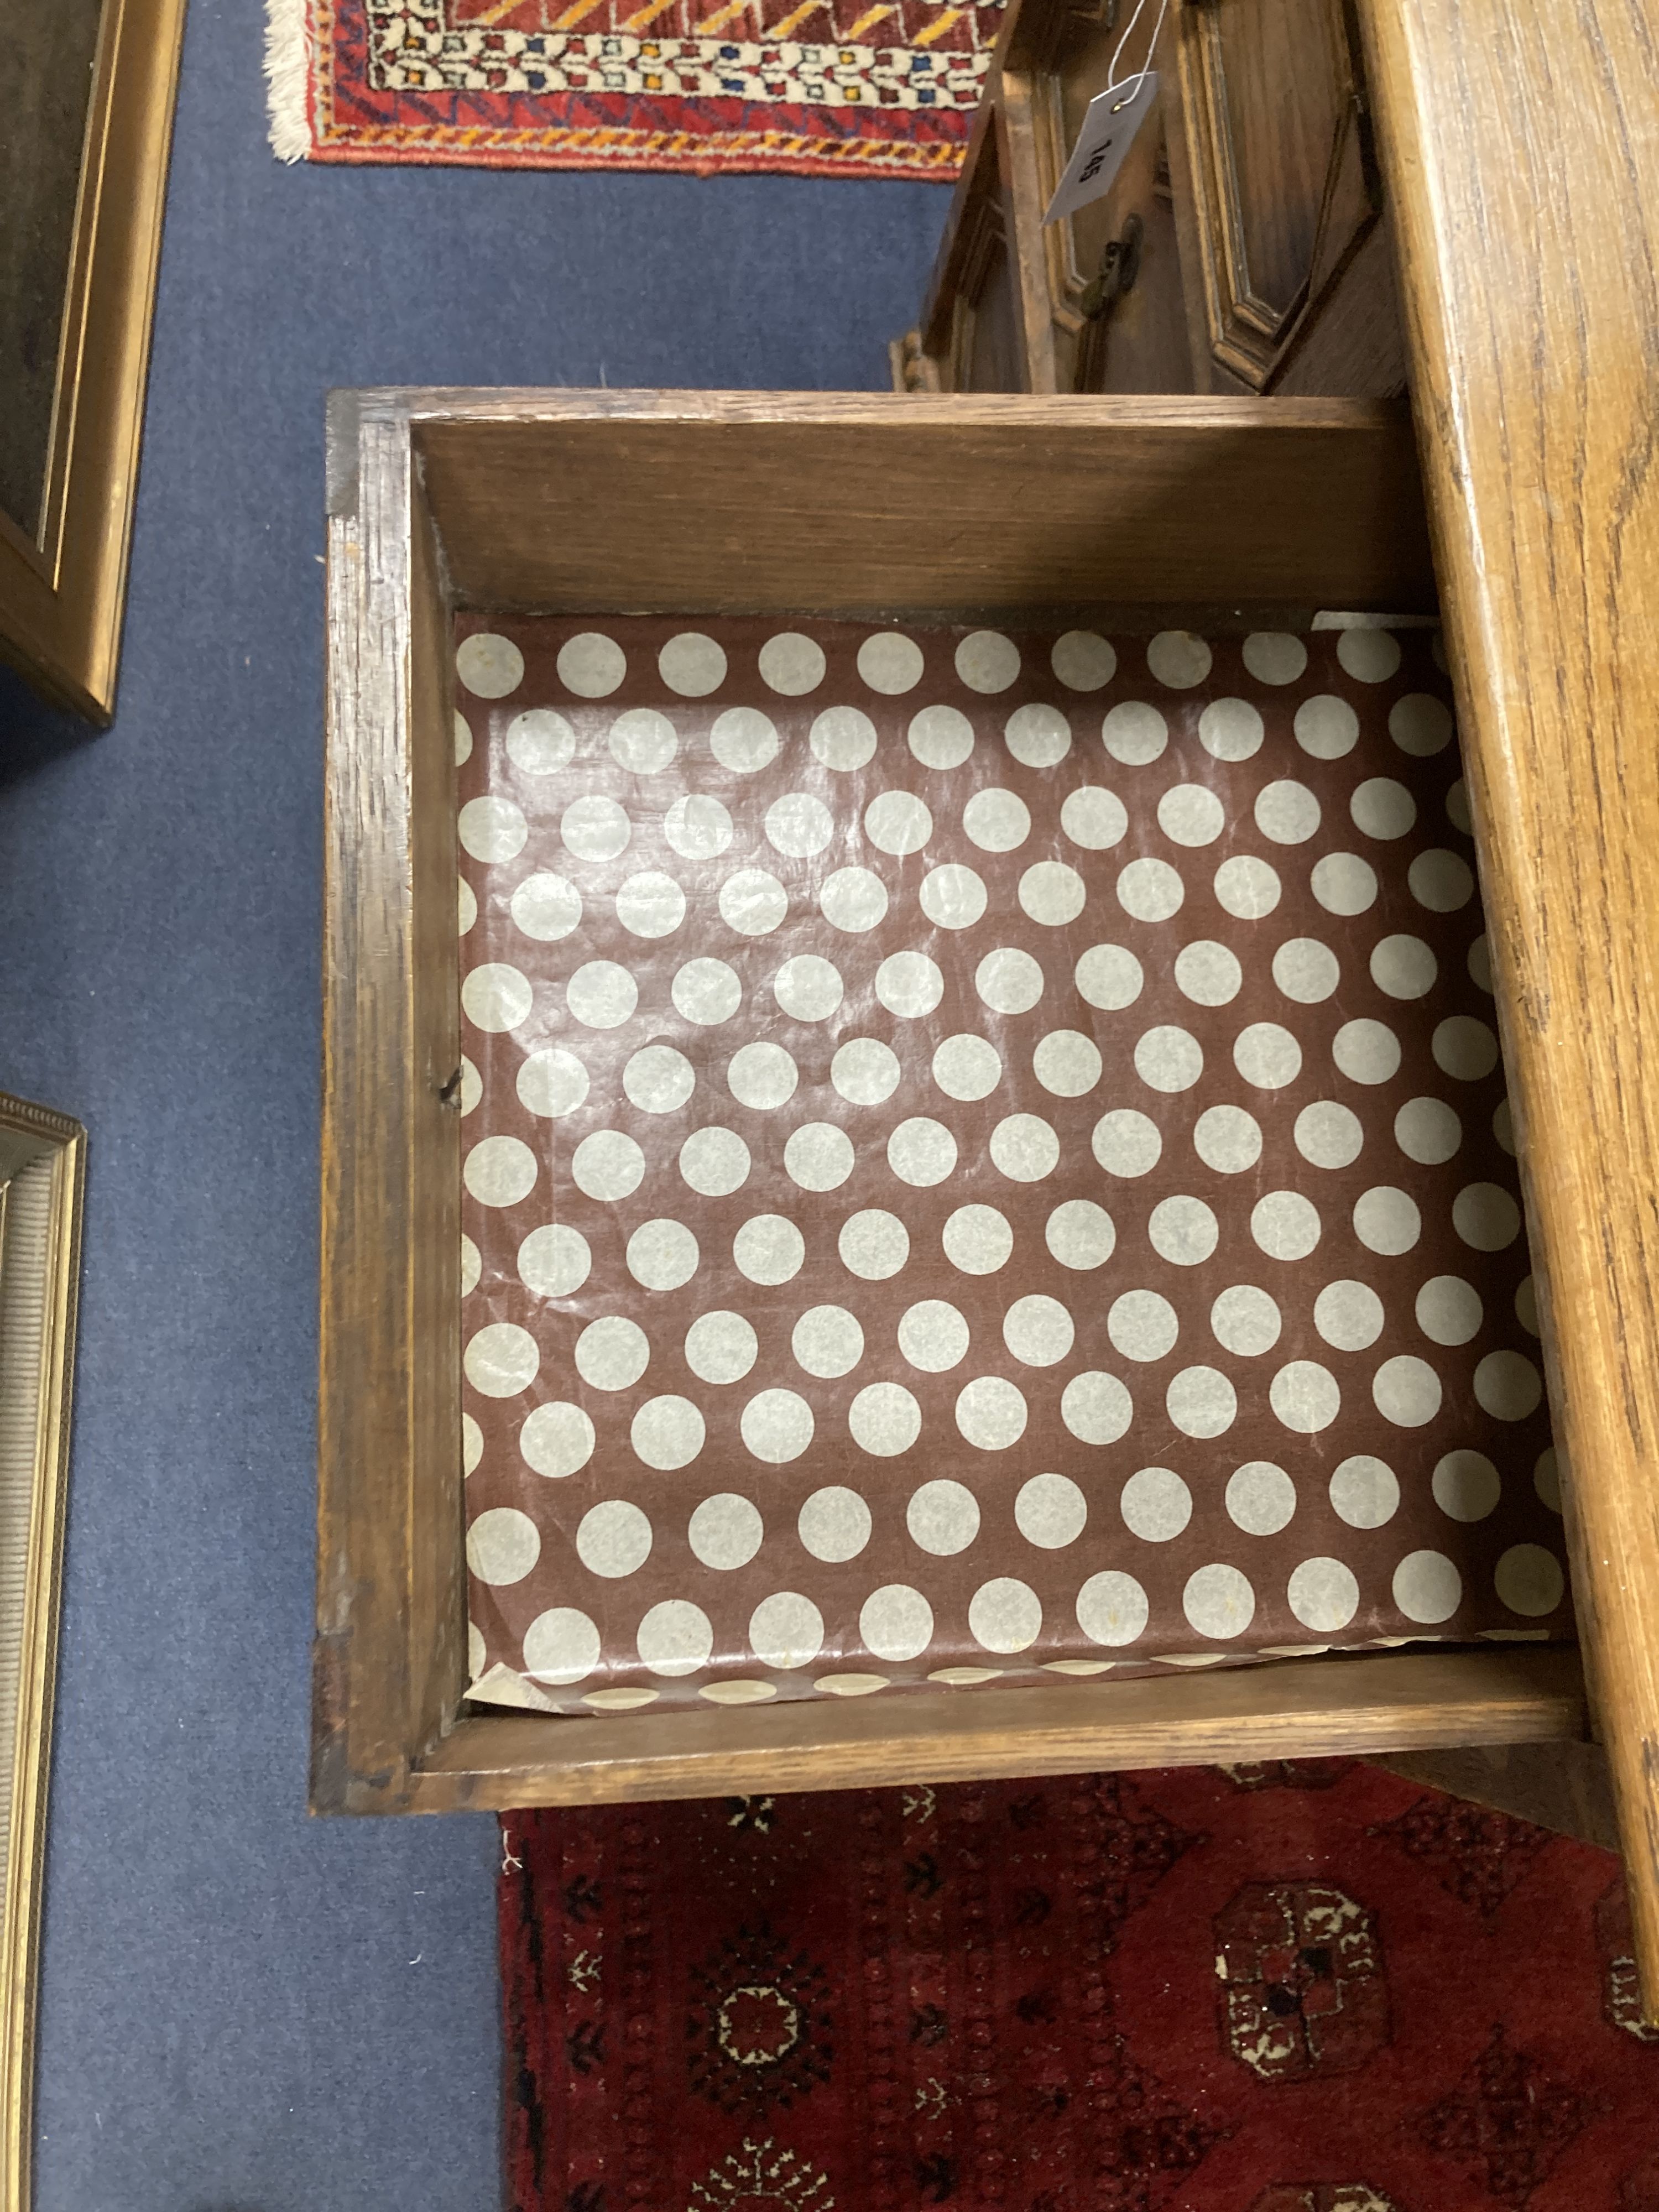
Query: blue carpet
(244, 2010)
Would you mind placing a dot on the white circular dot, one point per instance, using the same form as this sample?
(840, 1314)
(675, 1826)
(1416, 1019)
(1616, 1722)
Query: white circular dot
(1261, 1499)
(1134, 733)
(895, 1623)
(761, 1076)
(1306, 970)
(1079, 1233)
(1427, 1587)
(1092, 817)
(1226, 1138)
(943, 1518)
(1382, 808)
(1503, 1127)
(941, 737)
(1428, 1130)
(592, 665)
(666, 1433)
(1344, 884)
(785, 1631)
(1287, 813)
(491, 829)
(1441, 881)
(1348, 1314)
(502, 1546)
(561, 1646)
(933, 1336)
(1547, 1479)
(922, 1151)
(1095, 1407)
(720, 1347)
(873, 1244)
(854, 900)
(601, 995)
(953, 896)
(967, 1067)
(1050, 1512)
(827, 1342)
(1274, 656)
(675, 1637)
(1201, 1401)
(1038, 736)
(1208, 973)
(501, 1360)
(1182, 1231)
(898, 823)
(1178, 657)
(1230, 730)
(1366, 1051)
(1037, 1330)
(1465, 1048)
(546, 907)
(834, 1525)
(1219, 1602)
(799, 824)
(1150, 890)
(651, 904)
(1478, 964)
(1529, 1580)
(1466, 1486)
(1125, 1142)
(910, 985)
(714, 1161)
(753, 903)
(658, 1079)
(1370, 656)
(698, 828)
(1190, 814)
(1004, 1615)
(1323, 1594)
(463, 740)
(1327, 727)
(791, 665)
(1406, 1391)
(594, 828)
(1420, 724)
(808, 988)
(987, 662)
(769, 1249)
(488, 665)
(466, 906)
(1457, 808)
(1328, 1135)
(1066, 1063)
(1508, 1386)
(777, 1426)
(743, 740)
(1486, 1216)
(977, 1240)
(500, 1171)
(725, 1532)
(991, 1413)
(706, 990)
(554, 1262)
(891, 663)
(842, 739)
(1267, 1055)
(692, 665)
(1246, 887)
(643, 741)
(1083, 660)
(614, 1538)
(662, 1254)
(1168, 1059)
(612, 1353)
(997, 821)
(1246, 1321)
(1403, 966)
(1142, 1325)
(1107, 976)
(1386, 1221)
(1284, 1224)
(1112, 1608)
(865, 1072)
(497, 997)
(818, 1156)
(1023, 1147)
(1305, 1397)
(1364, 1492)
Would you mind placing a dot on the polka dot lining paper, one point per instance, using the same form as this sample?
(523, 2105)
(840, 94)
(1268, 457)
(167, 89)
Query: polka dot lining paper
(982, 1154)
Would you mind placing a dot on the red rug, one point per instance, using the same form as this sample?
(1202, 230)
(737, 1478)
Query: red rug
(820, 87)
(1299, 1989)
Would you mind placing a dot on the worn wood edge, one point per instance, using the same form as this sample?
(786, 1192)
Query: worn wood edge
(426, 407)
(1358, 1705)
(1026, 248)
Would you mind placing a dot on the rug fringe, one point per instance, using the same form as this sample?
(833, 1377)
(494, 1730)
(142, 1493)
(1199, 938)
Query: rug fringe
(287, 77)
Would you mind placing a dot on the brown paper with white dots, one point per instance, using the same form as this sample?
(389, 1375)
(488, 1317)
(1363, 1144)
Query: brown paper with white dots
(982, 1155)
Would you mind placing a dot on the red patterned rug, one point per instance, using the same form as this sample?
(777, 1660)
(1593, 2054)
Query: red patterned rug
(820, 87)
(1303, 1988)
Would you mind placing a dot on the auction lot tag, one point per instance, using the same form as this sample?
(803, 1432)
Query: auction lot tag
(1108, 131)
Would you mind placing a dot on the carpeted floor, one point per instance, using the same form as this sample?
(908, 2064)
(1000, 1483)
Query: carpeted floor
(1305, 1987)
(244, 2010)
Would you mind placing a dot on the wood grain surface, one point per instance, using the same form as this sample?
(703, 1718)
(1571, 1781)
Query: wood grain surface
(1521, 155)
